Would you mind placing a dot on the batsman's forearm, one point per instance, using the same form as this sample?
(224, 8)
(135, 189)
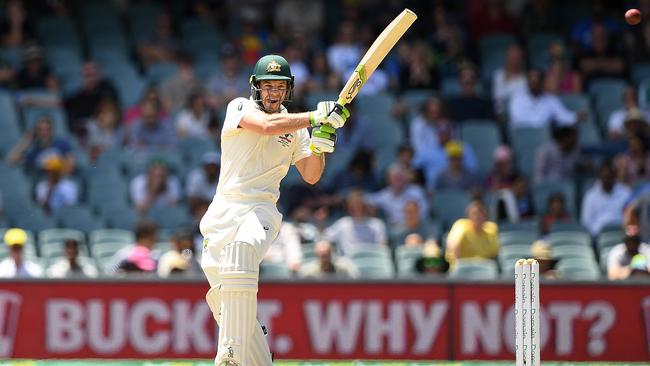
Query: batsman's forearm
(278, 124)
(314, 166)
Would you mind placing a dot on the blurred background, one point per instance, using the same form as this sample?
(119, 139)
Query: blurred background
(495, 130)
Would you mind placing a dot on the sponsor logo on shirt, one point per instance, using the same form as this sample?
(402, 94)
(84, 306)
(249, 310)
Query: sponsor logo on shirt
(286, 139)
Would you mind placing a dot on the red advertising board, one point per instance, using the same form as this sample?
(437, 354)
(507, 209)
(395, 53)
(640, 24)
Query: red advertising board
(308, 320)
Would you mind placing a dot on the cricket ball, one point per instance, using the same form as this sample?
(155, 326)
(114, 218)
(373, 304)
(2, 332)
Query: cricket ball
(633, 16)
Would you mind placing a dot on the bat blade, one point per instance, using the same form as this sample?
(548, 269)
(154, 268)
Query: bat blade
(375, 54)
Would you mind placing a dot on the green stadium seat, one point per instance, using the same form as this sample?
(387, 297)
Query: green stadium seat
(8, 124)
(50, 242)
(170, 218)
(375, 268)
(192, 149)
(525, 141)
(507, 238)
(527, 225)
(542, 191)
(609, 238)
(449, 206)
(475, 269)
(33, 219)
(562, 252)
(537, 48)
(512, 253)
(159, 72)
(121, 217)
(559, 238)
(274, 270)
(369, 251)
(141, 19)
(405, 258)
(483, 137)
(579, 269)
(640, 72)
(58, 31)
(98, 237)
(78, 217)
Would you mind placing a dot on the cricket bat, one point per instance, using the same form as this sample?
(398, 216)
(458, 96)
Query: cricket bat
(375, 54)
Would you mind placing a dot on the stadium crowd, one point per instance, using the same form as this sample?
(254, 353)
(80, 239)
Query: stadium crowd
(496, 130)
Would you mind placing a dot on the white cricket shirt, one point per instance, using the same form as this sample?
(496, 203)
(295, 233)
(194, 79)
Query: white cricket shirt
(252, 165)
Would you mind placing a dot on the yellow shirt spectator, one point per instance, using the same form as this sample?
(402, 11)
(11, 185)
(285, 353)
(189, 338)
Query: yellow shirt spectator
(466, 241)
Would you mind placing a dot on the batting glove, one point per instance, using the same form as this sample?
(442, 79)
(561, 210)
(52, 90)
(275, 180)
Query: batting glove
(329, 113)
(323, 139)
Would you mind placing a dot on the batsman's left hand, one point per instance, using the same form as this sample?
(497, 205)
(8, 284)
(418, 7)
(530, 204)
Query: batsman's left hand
(323, 139)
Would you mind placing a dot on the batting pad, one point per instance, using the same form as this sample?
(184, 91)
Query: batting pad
(238, 269)
(260, 354)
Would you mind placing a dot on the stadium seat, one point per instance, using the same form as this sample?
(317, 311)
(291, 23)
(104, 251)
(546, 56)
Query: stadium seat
(542, 191)
(492, 51)
(199, 34)
(171, 218)
(192, 149)
(159, 72)
(562, 252)
(363, 250)
(78, 217)
(274, 270)
(141, 19)
(474, 269)
(525, 142)
(58, 31)
(607, 94)
(578, 269)
(120, 217)
(528, 225)
(559, 238)
(414, 98)
(98, 237)
(513, 252)
(537, 48)
(507, 238)
(50, 242)
(405, 258)
(609, 238)
(8, 124)
(483, 137)
(33, 219)
(375, 268)
(567, 226)
(13, 56)
(640, 72)
(449, 206)
(31, 115)
(588, 130)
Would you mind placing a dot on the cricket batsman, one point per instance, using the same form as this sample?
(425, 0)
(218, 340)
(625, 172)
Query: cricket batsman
(259, 141)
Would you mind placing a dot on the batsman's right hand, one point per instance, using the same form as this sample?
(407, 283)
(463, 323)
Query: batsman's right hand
(329, 113)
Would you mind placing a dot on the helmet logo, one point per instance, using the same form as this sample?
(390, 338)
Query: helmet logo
(273, 67)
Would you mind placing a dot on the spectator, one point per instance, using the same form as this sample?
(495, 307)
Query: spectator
(105, 129)
(514, 203)
(230, 83)
(448, 44)
(7, 74)
(391, 200)
(469, 105)
(193, 120)
(617, 122)
(509, 80)
(71, 265)
(561, 78)
(603, 59)
(487, 17)
(603, 203)
(16, 28)
(358, 229)
(432, 262)
(634, 165)
(456, 177)
(308, 223)
(150, 132)
(542, 252)
(151, 94)
(322, 77)
(177, 89)
(556, 212)
(16, 265)
(620, 257)
(37, 144)
(56, 191)
(162, 46)
(558, 159)
(155, 188)
(286, 249)
(415, 230)
(85, 101)
(201, 184)
(472, 237)
(35, 74)
(344, 54)
(328, 264)
(582, 30)
(359, 174)
(416, 70)
(180, 260)
(299, 16)
(502, 175)
(540, 16)
(536, 108)
(138, 258)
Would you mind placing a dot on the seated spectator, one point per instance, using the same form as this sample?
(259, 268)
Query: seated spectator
(37, 144)
(162, 46)
(603, 203)
(432, 262)
(487, 17)
(328, 264)
(391, 200)
(469, 105)
(85, 101)
(15, 26)
(193, 120)
(231, 82)
(542, 252)
(621, 256)
(472, 237)
(344, 54)
(561, 78)
(56, 191)
(359, 174)
(556, 212)
(502, 175)
(138, 258)
(16, 265)
(134, 113)
(201, 184)
(151, 132)
(616, 124)
(180, 260)
(71, 265)
(308, 223)
(636, 210)
(604, 58)
(537, 108)
(558, 159)
(417, 69)
(456, 177)
(176, 90)
(509, 80)
(358, 229)
(105, 130)
(634, 165)
(424, 128)
(34, 73)
(418, 230)
(155, 188)
(515, 203)
(286, 248)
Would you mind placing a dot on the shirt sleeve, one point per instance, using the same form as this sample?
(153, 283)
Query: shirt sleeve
(235, 111)
(301, 149)
(561, 113)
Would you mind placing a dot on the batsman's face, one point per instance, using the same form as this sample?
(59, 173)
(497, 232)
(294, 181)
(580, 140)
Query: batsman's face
(273, 93)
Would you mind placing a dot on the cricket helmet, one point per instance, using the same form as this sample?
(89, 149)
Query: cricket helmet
(271, 67)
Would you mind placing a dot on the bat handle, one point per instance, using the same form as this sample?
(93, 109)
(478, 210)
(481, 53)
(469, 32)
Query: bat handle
(340, 103)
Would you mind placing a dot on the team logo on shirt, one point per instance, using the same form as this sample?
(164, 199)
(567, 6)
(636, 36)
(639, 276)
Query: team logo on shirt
(286, 139)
